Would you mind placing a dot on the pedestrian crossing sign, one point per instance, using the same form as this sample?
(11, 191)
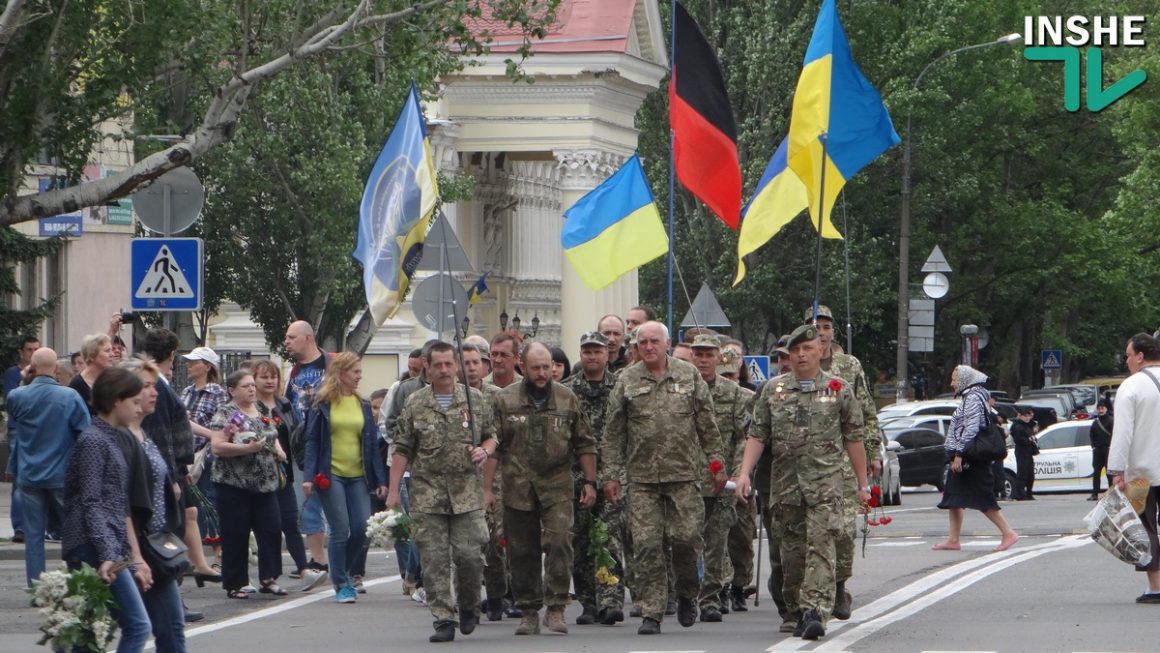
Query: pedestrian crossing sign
(758, 368)
(166, 274)
(1052, 359)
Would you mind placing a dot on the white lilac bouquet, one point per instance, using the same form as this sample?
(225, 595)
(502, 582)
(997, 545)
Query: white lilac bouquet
(77, 607)
(385, 528)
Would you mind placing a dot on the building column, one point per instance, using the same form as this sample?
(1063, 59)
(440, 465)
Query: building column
(533, 245)
(581, 307)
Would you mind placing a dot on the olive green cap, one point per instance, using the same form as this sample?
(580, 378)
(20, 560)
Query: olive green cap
(730, 362)
(823, 311)
(781, 348)
(706, 340)
(804, 333)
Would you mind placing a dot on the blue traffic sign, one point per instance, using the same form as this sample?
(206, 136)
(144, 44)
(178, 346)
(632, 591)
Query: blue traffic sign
(1051, 359)
(758, 367)
(166, 274)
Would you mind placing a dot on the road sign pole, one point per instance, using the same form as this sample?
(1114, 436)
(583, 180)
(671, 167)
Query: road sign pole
(168, 318)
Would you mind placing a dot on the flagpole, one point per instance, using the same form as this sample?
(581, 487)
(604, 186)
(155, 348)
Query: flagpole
(821, 216)
(846, 240)
(672, 170)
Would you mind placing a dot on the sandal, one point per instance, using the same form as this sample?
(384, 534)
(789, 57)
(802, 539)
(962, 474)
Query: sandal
(271, 587)
(237, 594)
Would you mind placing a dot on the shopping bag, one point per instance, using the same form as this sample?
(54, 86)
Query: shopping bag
(1114, 525)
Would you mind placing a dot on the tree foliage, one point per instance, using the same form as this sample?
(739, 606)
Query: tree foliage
(1047, 217)
(15, 325)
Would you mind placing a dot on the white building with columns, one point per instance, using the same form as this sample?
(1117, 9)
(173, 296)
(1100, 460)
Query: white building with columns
(533, 150)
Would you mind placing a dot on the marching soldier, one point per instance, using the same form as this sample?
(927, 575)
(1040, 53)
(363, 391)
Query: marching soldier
(601, 601)
(660, 435)
(542, 431)
(731, 405)
(807, 418)
(434, 437)
(849, 369)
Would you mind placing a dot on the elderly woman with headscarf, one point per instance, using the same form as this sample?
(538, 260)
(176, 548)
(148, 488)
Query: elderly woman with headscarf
(970, 484)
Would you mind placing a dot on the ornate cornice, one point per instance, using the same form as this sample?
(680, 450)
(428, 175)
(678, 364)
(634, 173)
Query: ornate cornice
(586, 169)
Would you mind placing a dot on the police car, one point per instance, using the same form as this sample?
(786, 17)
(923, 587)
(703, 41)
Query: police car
(1064, 463)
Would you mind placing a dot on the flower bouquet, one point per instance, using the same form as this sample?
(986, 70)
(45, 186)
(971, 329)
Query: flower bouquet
(601, 556)
(77, 607)
(873, 515)
(386, 528)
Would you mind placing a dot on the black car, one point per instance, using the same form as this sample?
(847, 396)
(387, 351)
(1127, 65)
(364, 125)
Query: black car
(921, 457)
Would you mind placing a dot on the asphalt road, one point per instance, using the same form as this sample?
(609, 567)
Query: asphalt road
(1053, 591)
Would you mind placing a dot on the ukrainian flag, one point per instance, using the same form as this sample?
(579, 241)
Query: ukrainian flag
(779, 197)
(615, 228)
(399, 199)
(834, 101)
(477, 289)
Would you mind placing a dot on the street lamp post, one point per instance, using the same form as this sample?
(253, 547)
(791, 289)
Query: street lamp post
(901, 364)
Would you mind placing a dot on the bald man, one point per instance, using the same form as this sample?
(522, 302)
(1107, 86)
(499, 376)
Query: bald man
(44, 420)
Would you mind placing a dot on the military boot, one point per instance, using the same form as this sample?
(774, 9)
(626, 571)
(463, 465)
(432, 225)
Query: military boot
(587, 617)
(789, 622)
(529, 624)
(494, 609)
(444, 632)
(686, 612)
(723, 599)
(468, 619)
(843, 602)
(554, 619)
(649, 626)
(737, 599)
(811, 624)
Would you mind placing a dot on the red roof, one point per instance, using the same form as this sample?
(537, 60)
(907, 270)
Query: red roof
(579, 26)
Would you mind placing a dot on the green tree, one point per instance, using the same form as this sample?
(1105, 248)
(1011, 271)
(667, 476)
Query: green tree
(15, 325)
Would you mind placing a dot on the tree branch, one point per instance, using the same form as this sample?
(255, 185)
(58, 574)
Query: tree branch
(10, 23)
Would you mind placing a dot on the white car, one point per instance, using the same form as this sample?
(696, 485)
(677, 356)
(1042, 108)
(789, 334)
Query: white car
(909, 408)
(1064, 463)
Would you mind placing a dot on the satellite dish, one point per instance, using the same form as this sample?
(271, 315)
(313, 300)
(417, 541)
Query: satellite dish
(186, 196)
(439, 309)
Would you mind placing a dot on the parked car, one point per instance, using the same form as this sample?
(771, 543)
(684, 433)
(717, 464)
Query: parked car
(1068, 400)
(921, 456)
(1064, 463)
(891, 428)
(1048, 409)
(928, 407)
(1105, 385)
(1086, 395)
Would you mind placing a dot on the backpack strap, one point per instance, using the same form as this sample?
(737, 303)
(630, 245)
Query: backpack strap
(1152, 378)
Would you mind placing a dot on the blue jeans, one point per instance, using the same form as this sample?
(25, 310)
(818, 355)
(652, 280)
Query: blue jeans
(406, 553)
(310, 520)
(163, 604)
(130, 613)
(347, 505)
(16, 512)
(36, 503)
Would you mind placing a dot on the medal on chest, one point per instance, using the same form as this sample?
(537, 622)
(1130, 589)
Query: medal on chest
(466, 419)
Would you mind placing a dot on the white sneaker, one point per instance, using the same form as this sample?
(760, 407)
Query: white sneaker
(312, 578)
(419, 596)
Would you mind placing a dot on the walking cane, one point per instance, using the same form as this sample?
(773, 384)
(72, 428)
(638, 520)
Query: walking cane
(760, 537)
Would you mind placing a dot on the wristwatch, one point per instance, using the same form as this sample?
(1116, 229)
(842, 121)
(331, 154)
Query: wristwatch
(588, 482)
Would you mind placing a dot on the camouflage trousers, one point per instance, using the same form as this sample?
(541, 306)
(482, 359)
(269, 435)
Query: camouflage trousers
(719, 519)
(776, 576)
(741, 538)
(846, 545)
(539, 551)
(656, 511)
(447, 541)
(495, 573)
(808, 535)
(591, 593)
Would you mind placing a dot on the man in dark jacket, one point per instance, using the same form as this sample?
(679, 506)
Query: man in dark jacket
(1101, 438)
(1023, 434)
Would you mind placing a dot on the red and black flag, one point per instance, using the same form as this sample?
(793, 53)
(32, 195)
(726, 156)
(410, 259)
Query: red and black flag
(704, 132)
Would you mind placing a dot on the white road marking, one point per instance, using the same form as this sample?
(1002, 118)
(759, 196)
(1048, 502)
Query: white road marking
(899, 510)
(990, 543)
(989, 565)
(897, 544)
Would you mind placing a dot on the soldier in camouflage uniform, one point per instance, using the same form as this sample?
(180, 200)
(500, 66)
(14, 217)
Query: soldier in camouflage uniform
(662, 436)
(731, 406)
(744, 530)
(761, 477)
(542, 432)
(495, 572)
(849, 369)
(807, 417)
(445, 443)
(602, 602)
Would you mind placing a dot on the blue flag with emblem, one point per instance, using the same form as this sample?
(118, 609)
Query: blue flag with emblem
(399, 199)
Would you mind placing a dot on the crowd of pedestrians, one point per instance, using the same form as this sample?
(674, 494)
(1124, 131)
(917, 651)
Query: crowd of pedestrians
(529, 481)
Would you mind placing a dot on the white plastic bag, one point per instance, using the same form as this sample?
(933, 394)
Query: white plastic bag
(1114, 525)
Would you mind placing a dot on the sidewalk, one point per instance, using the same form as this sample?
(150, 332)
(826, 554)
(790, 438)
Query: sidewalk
(9, 550)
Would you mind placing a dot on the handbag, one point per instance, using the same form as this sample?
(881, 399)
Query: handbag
(989, 445)
(166, 555)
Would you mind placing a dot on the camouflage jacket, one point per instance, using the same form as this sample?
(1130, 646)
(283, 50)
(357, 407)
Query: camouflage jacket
(806, 432)
(490, 390)
(537, 446)
(733, 408)
(849, 369)
(594, 402)
(437, 443)
(661, 430)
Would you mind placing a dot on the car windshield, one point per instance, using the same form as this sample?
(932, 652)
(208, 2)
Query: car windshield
(895, 426)
(1050, 402)
(893, 412)
(1084, 394)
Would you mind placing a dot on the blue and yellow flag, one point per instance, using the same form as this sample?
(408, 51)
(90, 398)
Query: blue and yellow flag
(834, 101)
(477, 289)
(779, 197)
(614, 228)
(397, 203)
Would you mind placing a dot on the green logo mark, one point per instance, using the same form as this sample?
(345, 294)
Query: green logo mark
(1098, 97)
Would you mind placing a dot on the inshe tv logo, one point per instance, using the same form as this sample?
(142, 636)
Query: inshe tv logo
(1076, 38)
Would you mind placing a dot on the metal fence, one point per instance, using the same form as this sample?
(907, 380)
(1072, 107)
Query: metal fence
(231, 360)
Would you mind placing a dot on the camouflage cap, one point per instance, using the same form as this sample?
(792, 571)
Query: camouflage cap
(593, 338)
(630, 340)
(730, 362)
(781, 348)
(804, 333)
(706, 340)
(823, 311)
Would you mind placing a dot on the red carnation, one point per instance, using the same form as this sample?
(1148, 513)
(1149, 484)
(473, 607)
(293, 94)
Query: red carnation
(875, 491)
(502, 542)
(872, 522)
(716, 467)
(322, 481)
(835, 385)
(873, 502)
(886, 519)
